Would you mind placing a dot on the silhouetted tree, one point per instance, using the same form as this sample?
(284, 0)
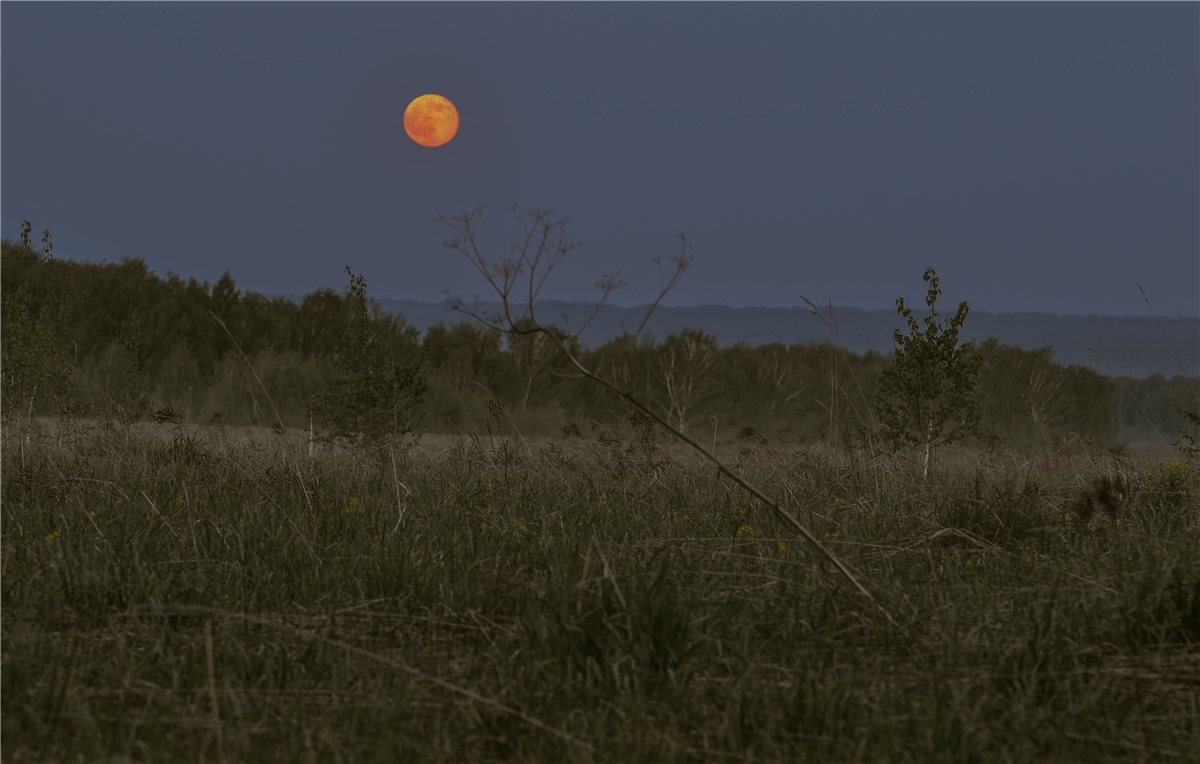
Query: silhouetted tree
(370, 396)
(35, 360)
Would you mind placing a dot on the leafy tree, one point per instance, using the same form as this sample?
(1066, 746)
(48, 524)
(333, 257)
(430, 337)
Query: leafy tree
(535, 357)
(322, 318)
(1006, 384)
(120, 378)
(1091, 403)
(1187, 442)
(462, 354)
(626, 360)
(775, 373)
(114, 339)
(1155, 407)
(35, 362)
(927, 395)
(177, 381)
(685, 363)
(369, 398)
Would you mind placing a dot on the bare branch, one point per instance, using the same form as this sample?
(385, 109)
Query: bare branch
(607, 284)
(745, 484)
(681, 262)
(540, 270)
(237, 345)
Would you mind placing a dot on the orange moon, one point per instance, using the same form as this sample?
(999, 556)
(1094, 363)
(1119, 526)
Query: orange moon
(431, 120)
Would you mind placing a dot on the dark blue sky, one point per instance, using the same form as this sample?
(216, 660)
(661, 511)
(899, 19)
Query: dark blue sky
(1042, 157)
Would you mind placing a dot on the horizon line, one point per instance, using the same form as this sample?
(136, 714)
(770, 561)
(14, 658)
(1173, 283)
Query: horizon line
(800, 306)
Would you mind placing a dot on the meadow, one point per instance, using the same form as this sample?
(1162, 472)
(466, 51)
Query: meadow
(171, 595)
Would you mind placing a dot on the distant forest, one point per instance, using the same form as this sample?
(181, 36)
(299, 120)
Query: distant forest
(1116, 346)
(115, 340)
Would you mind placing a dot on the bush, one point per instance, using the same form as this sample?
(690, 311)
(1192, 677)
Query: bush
(927, 395)
(368, 397)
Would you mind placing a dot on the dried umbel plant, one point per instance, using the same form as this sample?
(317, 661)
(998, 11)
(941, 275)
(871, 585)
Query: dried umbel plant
(518, 279)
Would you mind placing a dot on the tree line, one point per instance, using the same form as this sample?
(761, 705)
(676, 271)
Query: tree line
(114, 340)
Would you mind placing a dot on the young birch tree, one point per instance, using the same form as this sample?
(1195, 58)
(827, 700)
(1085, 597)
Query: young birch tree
(685, 364)
(927, 395)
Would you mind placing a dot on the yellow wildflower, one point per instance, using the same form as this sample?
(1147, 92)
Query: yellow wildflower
(1174, 476)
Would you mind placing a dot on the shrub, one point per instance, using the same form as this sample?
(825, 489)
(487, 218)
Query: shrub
(927, 395)
(368, 398)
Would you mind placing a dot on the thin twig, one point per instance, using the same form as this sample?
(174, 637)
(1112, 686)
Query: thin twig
(278, 419)
(665, 285)
(465, 226)
(728, 472)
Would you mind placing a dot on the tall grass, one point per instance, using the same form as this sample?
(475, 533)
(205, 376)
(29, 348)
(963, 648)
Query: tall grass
(181, 598)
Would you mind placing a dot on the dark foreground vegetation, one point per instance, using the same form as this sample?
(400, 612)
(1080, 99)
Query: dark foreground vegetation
(172, 595)
(476, 545)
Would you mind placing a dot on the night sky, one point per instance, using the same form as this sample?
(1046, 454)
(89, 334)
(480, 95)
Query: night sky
(1041, 157)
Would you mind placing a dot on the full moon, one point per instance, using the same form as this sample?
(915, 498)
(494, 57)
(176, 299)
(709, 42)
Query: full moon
(431, 120)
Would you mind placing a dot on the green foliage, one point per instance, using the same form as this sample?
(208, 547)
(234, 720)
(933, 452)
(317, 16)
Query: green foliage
(463, 354)
(927, 395)
(121, 381)
(684, 376)
(34, 357)
(1171, 485)
(1156, 408)
(619, 636)
(1090, 403)
(1024, 396)
(626, 361)
(369, 397)
(1187, 442)
(113, 339)
(537, 362)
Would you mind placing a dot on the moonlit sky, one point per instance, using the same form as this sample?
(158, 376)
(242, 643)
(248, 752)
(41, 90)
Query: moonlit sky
(1041, 157)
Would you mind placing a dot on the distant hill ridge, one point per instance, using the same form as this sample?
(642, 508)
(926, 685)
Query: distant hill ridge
(1125, 346)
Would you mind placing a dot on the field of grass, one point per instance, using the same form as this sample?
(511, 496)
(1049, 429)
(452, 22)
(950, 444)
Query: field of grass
(183, 599)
